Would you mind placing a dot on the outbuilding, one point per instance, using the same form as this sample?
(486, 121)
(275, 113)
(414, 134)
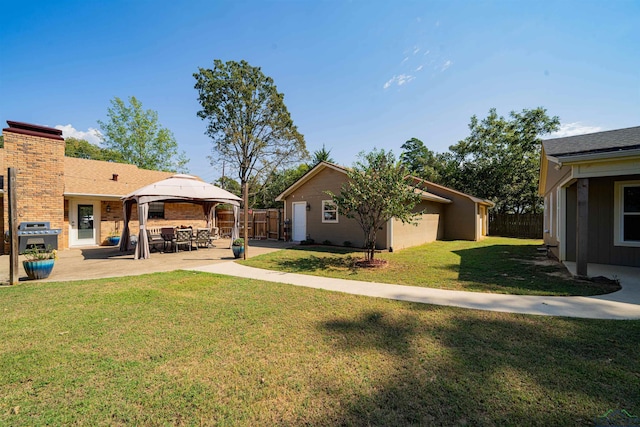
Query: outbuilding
(446, 214)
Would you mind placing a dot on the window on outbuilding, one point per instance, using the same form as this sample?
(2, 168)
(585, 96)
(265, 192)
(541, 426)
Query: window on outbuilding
(329, 211)
(156, 210)
(627, 213)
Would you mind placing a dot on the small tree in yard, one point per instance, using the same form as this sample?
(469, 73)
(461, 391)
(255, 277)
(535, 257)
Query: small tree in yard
(376, 192)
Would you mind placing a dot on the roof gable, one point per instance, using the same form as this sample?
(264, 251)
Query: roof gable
(308, 176)
(424, 194)
(451, 190)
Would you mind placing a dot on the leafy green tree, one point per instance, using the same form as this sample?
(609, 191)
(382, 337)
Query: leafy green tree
(83, 149)
(248, 122)
(1, 141)
(264, 196)
(376, 192)
(322, 155)
(229, 184)
(500, 159)
(419, 160)
(136, 134)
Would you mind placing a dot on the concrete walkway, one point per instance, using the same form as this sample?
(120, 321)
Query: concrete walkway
(624, 304)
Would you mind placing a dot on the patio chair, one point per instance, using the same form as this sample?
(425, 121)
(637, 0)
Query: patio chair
(168, 234)
(202, 238)
(154, 241)
(183, 237)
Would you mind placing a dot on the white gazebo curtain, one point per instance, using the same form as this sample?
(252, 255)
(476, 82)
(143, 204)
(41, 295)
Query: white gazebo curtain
(235, 231)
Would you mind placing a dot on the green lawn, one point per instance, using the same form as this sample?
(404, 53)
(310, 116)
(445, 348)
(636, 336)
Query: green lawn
(188, 348)
(495, 264)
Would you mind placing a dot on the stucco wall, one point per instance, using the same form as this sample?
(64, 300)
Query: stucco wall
(313, 193)
(428, 228)
(459, 218)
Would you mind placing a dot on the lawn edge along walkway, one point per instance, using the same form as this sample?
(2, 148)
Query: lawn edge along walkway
(582, 307)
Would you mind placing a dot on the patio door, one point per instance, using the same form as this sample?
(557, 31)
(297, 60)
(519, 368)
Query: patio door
(84, 220)
(299, 221)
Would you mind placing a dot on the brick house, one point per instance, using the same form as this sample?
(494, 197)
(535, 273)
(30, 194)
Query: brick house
(79, 196)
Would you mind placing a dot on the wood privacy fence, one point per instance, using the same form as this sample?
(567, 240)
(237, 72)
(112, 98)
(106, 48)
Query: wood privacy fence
(525, 226)
(263, 223)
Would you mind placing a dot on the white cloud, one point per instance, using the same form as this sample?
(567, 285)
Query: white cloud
(398, 80)
(416, 50)
(575, 128)
(446, 65)
(68, 131)
(405, 60)
(420, 67)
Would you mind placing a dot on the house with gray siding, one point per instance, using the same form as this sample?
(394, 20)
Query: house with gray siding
(591, 189)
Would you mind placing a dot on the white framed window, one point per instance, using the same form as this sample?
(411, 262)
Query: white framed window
(329, 211)
(626, 213)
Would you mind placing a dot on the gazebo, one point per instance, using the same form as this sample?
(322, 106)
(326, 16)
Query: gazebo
(178, 188)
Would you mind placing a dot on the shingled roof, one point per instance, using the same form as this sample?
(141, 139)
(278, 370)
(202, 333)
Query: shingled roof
(600, 142)
(109, 179)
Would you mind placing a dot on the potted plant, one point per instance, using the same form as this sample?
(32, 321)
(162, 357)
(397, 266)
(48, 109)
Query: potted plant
(113, 238)
(237, 246)
(39, 262)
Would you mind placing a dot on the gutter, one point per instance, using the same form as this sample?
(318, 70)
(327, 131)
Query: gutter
(98, 196)
(590, 157)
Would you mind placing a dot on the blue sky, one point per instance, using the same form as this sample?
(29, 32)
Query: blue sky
(355, 74)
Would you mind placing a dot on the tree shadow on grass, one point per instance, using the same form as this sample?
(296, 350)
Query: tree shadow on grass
(522, 269)
(312, 263)
(464, 367)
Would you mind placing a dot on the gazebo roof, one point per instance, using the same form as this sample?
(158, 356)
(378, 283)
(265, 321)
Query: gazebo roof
(182, 188)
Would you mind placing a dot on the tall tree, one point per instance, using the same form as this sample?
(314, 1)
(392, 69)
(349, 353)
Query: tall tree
(500, 159)
(322, 155)
(419, 160)
(375, 192)
(83, 149)
(136, 134)
(248, 122)
(229, 184)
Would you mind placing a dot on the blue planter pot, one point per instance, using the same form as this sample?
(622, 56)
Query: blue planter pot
(113, 240)
(238, 251)
(40, 269)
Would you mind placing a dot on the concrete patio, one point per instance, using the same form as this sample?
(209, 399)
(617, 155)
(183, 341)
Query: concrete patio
(108, 261)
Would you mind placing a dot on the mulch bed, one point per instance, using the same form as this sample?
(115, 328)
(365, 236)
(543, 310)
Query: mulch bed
(372, 263)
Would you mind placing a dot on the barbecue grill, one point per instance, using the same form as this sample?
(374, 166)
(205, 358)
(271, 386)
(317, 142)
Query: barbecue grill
(37, 234)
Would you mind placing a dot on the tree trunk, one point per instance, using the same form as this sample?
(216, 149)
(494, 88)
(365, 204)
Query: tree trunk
(245, 201)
